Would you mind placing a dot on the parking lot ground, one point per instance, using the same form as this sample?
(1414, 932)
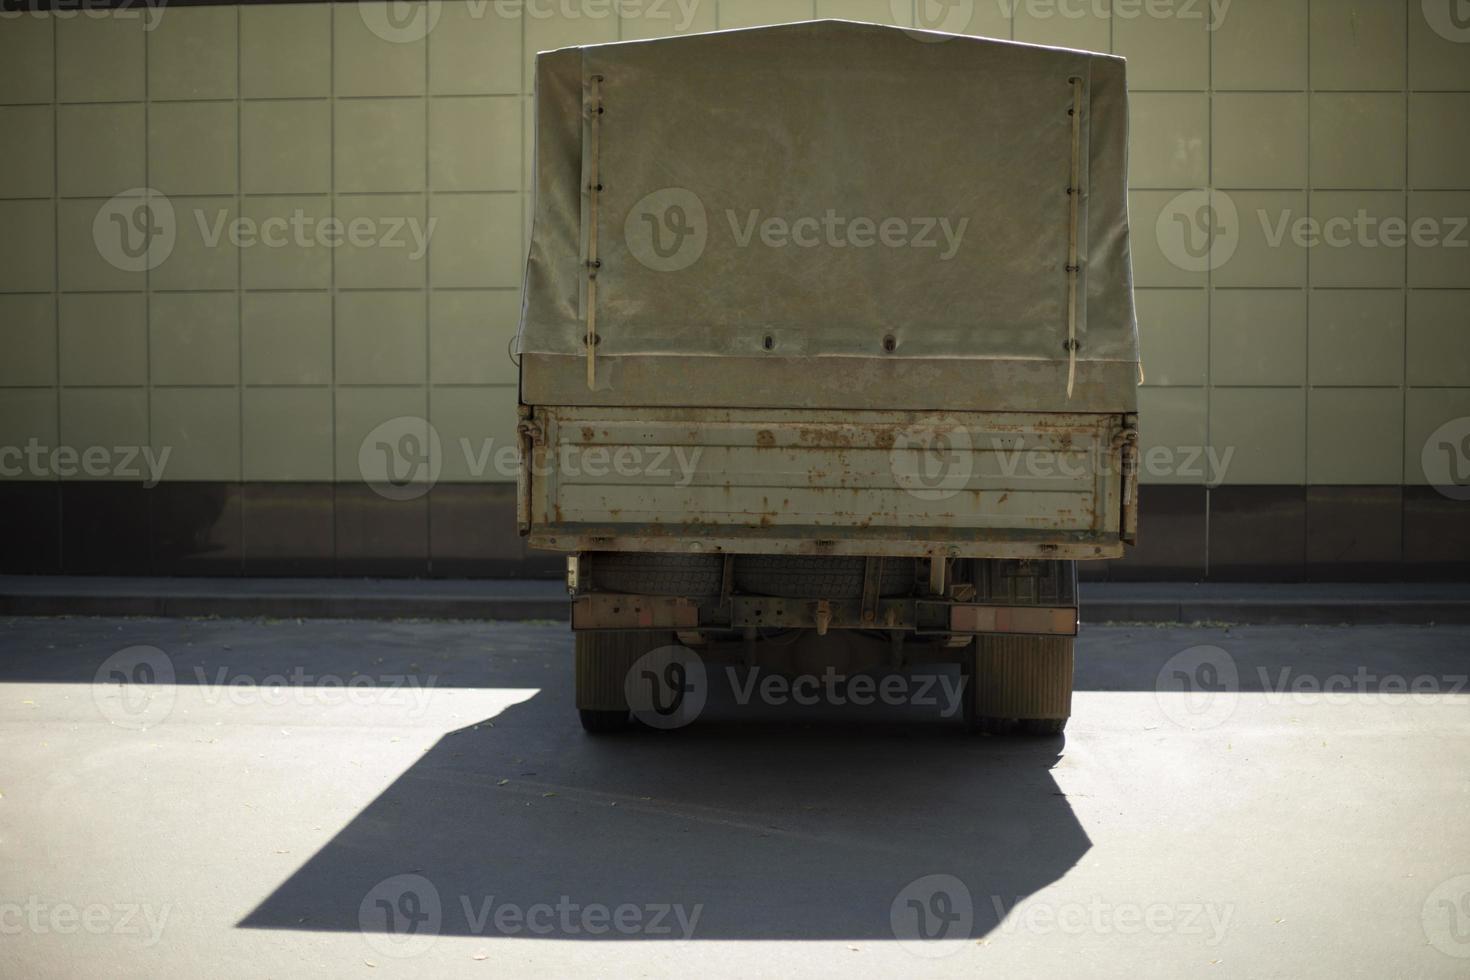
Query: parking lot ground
(248, 798)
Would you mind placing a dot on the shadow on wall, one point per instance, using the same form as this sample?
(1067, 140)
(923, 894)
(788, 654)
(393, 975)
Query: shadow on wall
(773, 830)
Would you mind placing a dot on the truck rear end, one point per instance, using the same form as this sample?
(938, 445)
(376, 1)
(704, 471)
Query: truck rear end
(829, 332)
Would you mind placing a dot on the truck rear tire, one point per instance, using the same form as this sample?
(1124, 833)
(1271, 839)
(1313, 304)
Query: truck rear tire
(1019, 684)
(603, 659)
(639, 573)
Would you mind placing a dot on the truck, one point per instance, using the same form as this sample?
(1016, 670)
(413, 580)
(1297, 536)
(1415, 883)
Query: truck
(828, 355)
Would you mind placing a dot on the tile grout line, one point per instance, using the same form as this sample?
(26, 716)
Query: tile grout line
(332, 259)
(56, 266)
(428, 288)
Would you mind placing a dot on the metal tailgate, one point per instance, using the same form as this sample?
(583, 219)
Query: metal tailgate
(782, 481)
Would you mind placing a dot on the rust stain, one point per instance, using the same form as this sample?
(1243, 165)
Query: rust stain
(765, 438)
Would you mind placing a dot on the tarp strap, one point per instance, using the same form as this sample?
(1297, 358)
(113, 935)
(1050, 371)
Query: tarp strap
(594, 188)
(1074, 195)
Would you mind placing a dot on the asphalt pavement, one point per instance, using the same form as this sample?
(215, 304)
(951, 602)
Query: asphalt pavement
(250, 798)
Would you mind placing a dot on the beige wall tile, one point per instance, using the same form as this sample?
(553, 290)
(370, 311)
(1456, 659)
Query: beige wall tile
(899, 14)
(27, 66)
(1062, 25)
(303, 262)
(286, 147)
(1356, 337)
(1169, 140)
(361, 410)
(204, 254)
(1437, 51)
(194, 338)
(1163, 223)
(286, 338)
(1260, 140)
(470, 334)
(1439, 242)
(193, 147)
(1355, 436)
(476, 240)
(1362, 238)
(200, 427)
(281, 49)
(26, 414)
(1439, 140)
(1357, 140)
(1258, 337)
(1172, 429)
(475, 144)
(978, 20)
(1439, 338)
(475, 426)
(375, 55)
(394, 247)
(1173, 325)
(28, 246)
(1359, 44)
(1425, 411)
(81, 238)
(104, 338)
(550, 33)
(667, 20)
(381, 338)
(191, 54)
(1264, 430)
(474, 50)
(1170, 52)
(1266, 252)
(754, 13)
(28, 134)
(100, 149)
(1262, 44)
(101, 59)
(27, 339)
(287, 434)
(379, 145)
(106, 417)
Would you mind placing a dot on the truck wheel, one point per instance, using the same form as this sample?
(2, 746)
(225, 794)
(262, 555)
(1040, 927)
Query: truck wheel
(637, 573)
(1019, 684)
(603, 659)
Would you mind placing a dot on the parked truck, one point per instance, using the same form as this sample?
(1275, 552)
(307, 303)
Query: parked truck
(828, 353)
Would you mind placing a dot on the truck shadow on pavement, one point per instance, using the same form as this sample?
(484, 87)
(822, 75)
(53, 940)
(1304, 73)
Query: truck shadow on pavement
(866, 824)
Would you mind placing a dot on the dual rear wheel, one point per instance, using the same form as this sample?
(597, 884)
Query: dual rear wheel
(1014, 685)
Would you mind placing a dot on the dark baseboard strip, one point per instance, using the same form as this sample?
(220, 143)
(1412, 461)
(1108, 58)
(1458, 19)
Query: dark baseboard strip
(334, 604)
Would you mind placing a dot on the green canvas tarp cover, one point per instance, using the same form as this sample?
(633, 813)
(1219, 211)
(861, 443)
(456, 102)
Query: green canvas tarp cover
(829, 215)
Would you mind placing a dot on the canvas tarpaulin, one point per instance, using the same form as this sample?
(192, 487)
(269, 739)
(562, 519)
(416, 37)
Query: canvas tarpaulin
(829, 215)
